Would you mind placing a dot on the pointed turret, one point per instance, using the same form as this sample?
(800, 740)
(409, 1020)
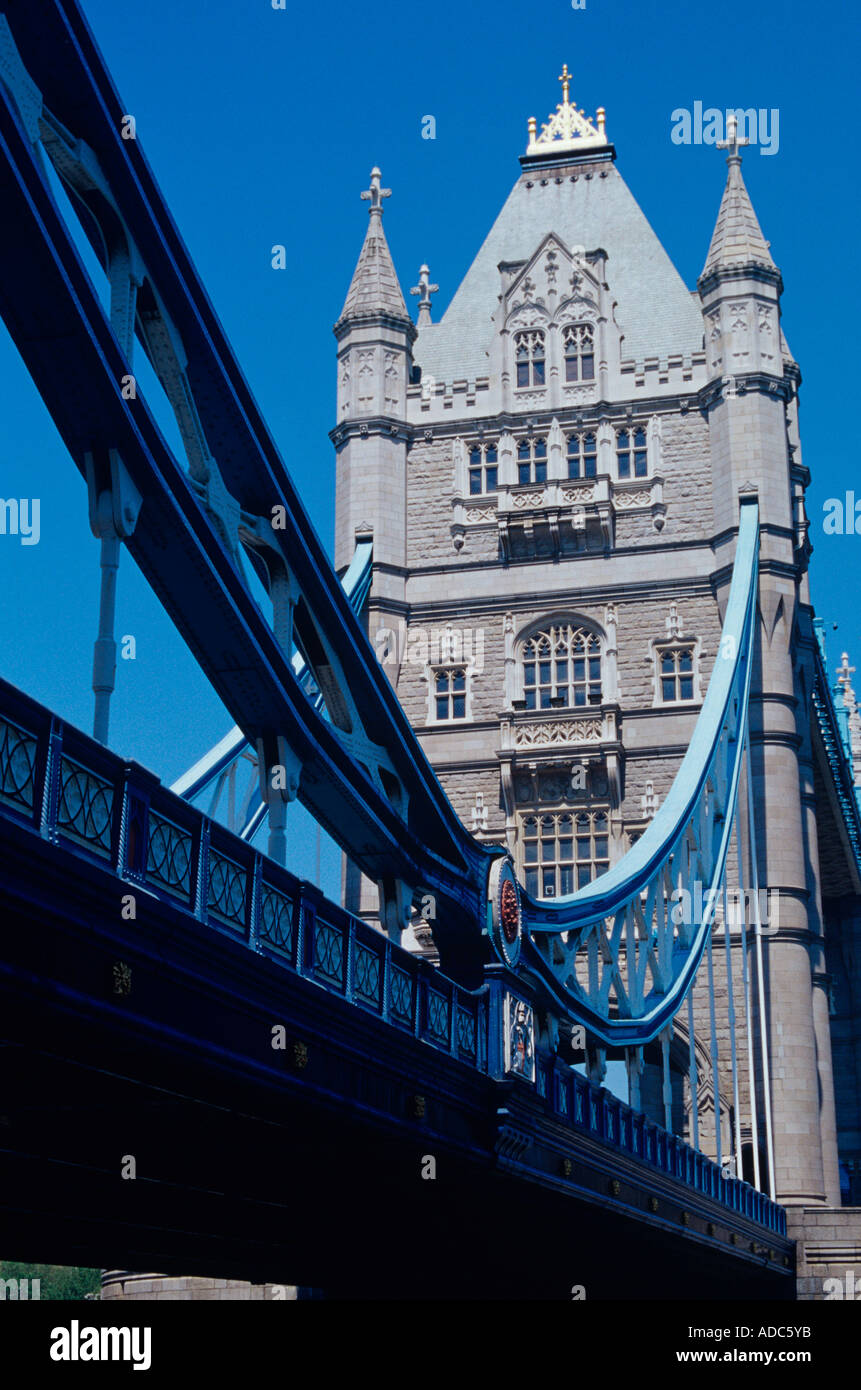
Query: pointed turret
(737, 241)
(375, 337)
(374, 288)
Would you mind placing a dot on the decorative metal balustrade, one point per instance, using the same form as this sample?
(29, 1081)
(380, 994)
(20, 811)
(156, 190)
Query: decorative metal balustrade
(194, 866)
(596, 1111)
(17, 761)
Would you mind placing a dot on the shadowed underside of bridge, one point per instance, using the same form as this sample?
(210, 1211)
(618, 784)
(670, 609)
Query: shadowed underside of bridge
(300, 1165)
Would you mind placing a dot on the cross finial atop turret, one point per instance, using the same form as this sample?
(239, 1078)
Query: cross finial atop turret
(375, 193)
(845, 673)
(732, 142)
(374, 288)
(737, 240)
(424, 290)
(565, 79)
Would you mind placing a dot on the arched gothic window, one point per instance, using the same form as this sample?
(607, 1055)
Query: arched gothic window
(631, 453)
(530, 358)
(562, 668)
(582, 456)
(532, 461)
(579, 343)
(483, 469)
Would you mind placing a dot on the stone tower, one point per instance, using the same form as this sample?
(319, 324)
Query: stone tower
(375, 335)
(752, 419)
(577, 431)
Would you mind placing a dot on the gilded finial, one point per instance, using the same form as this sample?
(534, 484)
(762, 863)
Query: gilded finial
(569, 128)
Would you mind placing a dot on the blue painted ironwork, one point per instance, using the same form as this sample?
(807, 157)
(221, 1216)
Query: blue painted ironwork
(226, 895)
(169, 856)
(438, 1016)
(401, 1004)
(17, 764)
(466, 1032)
(329, 953)
(86, 806)
(595, 949)
(367, 977)
(213, 767)
(276, 920)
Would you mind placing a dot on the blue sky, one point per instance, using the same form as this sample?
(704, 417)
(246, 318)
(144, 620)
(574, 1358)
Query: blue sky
(262, 126)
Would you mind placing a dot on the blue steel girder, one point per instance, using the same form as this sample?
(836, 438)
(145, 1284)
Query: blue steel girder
(73, 355)
(220, 761)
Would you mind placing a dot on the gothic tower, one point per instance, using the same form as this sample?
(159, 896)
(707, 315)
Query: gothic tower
(751, 406)
(577, 432)
(375, 336)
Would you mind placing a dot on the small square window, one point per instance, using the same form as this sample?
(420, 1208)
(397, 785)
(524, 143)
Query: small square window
(450, 693)
(676, 674)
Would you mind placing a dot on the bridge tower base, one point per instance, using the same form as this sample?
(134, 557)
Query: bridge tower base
(120, 1283)
(829, 1252)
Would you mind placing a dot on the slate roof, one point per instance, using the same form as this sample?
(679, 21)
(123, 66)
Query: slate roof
(657, 313)
(737, 239)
